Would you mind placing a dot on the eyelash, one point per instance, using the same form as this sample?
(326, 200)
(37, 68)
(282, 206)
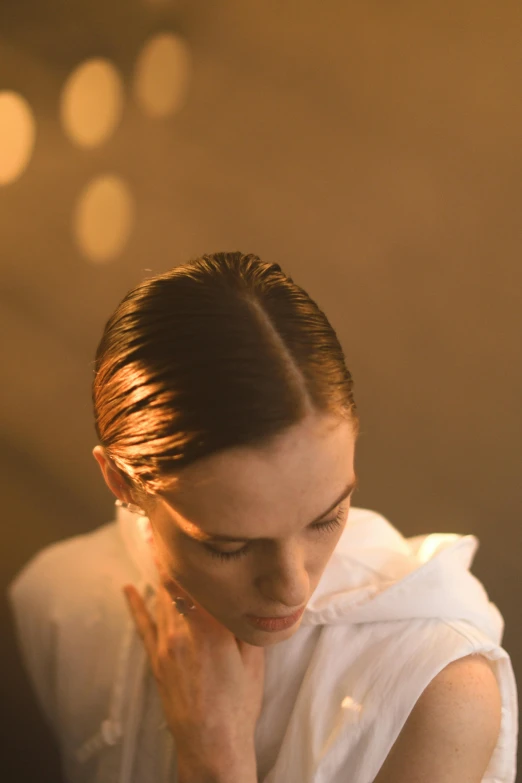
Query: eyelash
(324, 527)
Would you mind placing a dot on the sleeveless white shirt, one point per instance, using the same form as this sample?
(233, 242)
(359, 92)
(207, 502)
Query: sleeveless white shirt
(388, 614)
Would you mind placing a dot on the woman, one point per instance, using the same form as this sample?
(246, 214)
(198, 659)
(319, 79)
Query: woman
(269, 632)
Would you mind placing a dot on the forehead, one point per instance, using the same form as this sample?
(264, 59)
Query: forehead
(297, 474)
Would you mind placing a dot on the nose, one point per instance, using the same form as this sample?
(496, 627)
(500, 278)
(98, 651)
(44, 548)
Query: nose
(284, 579)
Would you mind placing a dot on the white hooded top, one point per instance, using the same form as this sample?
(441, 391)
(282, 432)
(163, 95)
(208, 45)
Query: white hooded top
(389, 613)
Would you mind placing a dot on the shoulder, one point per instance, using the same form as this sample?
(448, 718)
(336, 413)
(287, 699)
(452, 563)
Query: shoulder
(67, 589)
(55, 601)
(462, 701)
(453, 729)
(67, 563)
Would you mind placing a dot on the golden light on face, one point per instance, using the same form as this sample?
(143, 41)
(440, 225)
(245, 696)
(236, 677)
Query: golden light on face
(290, 507)
(273, 578)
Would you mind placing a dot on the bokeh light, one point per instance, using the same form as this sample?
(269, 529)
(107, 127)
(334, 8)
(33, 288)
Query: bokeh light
(92, 102)
(103, 218)
(17, 135)
(162, 75)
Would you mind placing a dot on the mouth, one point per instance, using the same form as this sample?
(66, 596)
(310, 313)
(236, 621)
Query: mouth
(276, 616)
(275, 623)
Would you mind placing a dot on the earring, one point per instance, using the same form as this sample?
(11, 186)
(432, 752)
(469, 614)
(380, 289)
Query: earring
(130, 507)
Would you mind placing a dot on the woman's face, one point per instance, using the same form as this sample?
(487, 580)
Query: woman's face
(273, 497)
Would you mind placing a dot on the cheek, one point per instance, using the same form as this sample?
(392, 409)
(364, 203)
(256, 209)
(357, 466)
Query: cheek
(169, 564)
(207, 582)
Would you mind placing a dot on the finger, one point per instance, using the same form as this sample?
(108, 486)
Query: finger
(144, 624)
(172, 589)
(171, 618)
(164, 614)
(167, 615)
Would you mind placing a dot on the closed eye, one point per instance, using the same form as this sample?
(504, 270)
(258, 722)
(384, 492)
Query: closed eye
(327, 526)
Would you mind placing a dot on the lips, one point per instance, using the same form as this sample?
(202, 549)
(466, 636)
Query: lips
(275, 623)
(276, 616)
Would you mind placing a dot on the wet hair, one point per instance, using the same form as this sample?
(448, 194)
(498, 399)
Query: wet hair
(223, 351)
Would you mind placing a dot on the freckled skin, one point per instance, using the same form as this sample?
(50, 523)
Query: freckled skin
(452, 731)
(272, 494)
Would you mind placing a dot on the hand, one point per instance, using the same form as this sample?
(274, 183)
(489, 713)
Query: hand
(210, 682)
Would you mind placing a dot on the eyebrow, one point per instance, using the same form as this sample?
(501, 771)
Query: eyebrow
(215, 537)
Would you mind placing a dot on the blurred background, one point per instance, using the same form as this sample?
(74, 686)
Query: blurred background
(372, 149)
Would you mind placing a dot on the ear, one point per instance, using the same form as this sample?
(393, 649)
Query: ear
(112, 477)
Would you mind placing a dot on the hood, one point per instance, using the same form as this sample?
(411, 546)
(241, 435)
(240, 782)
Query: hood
(375, 574)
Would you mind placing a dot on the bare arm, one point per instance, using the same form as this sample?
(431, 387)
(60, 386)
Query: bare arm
(453, 729)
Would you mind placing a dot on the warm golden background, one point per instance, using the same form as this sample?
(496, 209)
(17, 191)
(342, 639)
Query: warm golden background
(372, 148)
